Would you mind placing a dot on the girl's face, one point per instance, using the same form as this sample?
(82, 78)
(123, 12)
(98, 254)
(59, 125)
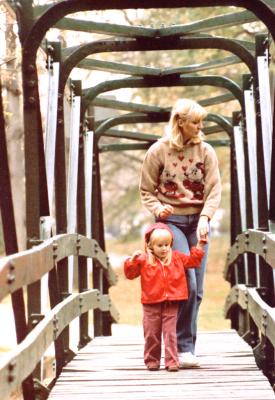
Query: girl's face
(161, 245)
(190, 127)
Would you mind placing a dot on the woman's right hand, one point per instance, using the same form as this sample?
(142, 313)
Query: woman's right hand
(166, 211)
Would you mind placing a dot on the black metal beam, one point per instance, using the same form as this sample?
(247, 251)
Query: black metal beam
(219, 21)
(167, 81)
(128, 69)
(258, 7)
(76, 54)
(133, 118)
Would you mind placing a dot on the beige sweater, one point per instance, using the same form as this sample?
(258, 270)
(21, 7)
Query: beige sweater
(189, 179)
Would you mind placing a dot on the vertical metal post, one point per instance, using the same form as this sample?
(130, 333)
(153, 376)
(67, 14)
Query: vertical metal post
(265, 104)
(240, 162)
(53, 66)
(61, 209)
(250, 117)
(81, 229)
(262, 194)
(98, 234)
(10, 241)
(24, 8)
(88, 175)
(262, 55)
(251, 134)
(73, 167)
(239, 148)
(88, 167)
(271, 215)
(102, 322)
(45, 233)
(49, 286)
(36, 183)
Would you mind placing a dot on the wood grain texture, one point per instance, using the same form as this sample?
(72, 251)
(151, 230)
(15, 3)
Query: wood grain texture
(112, 368)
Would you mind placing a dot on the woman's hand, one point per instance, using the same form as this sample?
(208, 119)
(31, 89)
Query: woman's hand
(203, 228)
(166, 211)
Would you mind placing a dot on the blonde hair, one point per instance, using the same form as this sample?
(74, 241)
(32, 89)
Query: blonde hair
(155, 235)
(183, 109)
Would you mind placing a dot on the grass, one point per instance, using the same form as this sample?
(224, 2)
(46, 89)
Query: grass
(126, 294)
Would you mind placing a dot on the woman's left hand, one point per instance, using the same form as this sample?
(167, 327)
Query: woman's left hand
(203, 227)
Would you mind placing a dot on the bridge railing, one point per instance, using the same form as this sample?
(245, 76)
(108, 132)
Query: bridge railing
(22, 269)
(250, 269)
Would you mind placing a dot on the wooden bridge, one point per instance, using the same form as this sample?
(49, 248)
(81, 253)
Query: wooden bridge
(227, 366)
(64, 210)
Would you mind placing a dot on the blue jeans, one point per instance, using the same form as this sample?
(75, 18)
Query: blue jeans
(184, 229)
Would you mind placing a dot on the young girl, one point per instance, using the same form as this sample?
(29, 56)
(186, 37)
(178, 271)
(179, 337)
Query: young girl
(180, 186)
(163, 284)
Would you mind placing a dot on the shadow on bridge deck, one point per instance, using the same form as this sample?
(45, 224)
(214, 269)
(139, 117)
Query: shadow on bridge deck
(112, 368)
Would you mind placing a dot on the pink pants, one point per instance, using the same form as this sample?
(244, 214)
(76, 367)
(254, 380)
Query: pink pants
(160, 318)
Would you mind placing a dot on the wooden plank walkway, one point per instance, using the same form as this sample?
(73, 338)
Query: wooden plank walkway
(112, 368)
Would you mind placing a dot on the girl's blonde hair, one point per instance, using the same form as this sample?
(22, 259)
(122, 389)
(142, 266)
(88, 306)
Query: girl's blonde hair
(184, 109)
(155, 235)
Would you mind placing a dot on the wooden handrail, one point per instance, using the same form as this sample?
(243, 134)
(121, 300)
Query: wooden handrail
(20, 362)
(249, 300)
(26, 267)
(253, 241)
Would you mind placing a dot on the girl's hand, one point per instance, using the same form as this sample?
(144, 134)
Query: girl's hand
(136, 254)
(203, 228)
(166, 211)
(202, 242)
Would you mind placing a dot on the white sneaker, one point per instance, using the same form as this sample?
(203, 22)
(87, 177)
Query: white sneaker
(188, 360)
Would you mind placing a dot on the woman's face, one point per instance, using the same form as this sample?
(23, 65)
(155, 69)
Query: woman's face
(190, 127)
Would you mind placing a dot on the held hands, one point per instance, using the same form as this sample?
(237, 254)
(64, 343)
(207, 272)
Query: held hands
(166, 211)
(202, 230)
(202, 242)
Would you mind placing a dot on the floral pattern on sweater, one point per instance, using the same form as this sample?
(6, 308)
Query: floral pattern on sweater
(189, 180)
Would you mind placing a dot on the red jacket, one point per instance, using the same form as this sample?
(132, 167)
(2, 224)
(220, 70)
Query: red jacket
(163, 282)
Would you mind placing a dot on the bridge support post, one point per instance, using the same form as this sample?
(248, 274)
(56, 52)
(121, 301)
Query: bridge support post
(83, 283)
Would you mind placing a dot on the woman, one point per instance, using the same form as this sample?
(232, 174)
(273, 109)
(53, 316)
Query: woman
(180, 185)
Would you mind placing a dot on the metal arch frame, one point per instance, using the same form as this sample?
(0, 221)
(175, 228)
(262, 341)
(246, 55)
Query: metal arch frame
(57, 11)
(163, 116)
(131, 44)
(47, 20)
(128, 69)
(143, 108)
(197, 42)
(31, 83)
(119, 44)
(61, 9)
(136, 108)
(127, 106)
(139, 137)
(239, 49)
(211, 80)
(204, 25)
(258, 7)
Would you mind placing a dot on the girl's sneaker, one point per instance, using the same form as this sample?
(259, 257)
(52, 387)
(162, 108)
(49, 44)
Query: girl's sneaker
(172, 368)
(153, 367)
